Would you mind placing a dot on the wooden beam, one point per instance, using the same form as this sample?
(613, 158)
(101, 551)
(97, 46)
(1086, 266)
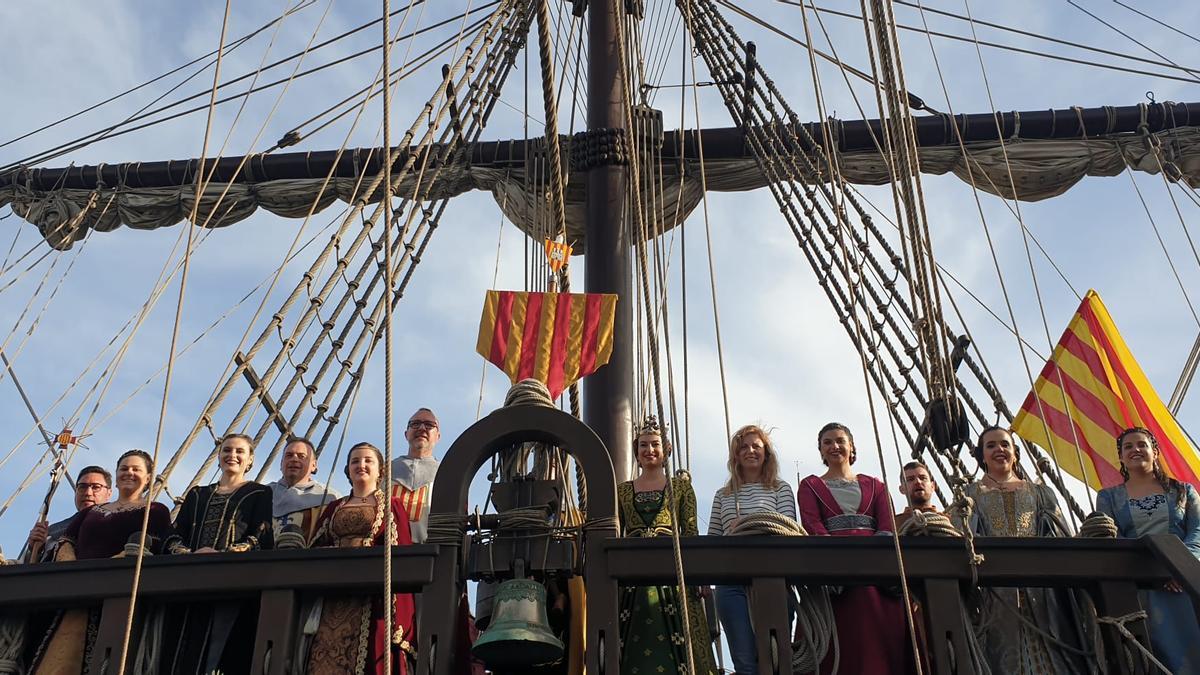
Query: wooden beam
(263, 395)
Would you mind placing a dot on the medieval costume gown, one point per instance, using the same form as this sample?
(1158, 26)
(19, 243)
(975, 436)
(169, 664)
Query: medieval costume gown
(95, 532)
(350, 637)
(1174, 633)
(1010, 644)
(652, 629)
(202, 638)
(872, 628)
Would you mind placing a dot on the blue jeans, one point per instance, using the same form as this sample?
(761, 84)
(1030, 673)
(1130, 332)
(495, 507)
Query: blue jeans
(733, 609)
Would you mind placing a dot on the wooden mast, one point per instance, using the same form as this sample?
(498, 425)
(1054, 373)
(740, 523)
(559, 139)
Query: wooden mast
(608, 393)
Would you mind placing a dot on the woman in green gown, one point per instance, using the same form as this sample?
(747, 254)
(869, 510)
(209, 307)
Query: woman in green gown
(652, 618)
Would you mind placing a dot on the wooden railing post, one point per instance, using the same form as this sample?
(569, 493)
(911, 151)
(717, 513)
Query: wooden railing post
(772, 624)
(946, 639)
(273, 637)
(1116, 599)
(106, 652)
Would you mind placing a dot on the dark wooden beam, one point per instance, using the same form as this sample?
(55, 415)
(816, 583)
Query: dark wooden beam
(870, 560)
(264, 396)
(718, 143)
(327, 570)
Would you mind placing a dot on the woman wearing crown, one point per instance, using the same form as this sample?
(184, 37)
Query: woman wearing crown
(653, 624)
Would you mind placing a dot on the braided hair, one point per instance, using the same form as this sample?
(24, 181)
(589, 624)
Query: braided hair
(1160, 475)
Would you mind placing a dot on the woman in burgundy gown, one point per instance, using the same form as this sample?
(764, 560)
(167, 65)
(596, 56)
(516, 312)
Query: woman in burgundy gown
(871, 627)
(101, 531)
(351, 636)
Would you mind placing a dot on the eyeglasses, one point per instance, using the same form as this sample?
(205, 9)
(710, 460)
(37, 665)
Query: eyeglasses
(90, 487)
(421, 424)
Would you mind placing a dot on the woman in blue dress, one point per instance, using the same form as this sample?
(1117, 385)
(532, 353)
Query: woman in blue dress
(1149, 502)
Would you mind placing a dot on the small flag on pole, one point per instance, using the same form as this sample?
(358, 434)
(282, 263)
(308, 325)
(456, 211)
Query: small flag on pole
(553, 337)
(1092, 389)
(558, 253)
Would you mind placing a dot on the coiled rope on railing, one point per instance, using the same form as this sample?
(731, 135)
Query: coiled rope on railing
(814, 613)
(767, 523)
(1098, 526)
(928, 524)
(446, 529)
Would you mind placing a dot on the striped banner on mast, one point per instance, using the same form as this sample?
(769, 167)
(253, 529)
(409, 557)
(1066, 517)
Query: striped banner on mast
(556, 338)
(1092, 389)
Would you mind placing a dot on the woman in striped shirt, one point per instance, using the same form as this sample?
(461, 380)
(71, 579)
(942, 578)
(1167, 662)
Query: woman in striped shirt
(754, 487)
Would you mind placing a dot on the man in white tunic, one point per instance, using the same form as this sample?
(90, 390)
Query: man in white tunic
(413, 474)
(297, 498)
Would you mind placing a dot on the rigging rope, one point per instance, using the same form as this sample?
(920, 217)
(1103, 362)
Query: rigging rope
(1020, 50)
(429, 220)
(1131, 38)
(1037, 291)
(343, 260)
(633, 142)
(162, 413)
(1074, 510)
(803, 233)
(121, 128)
(232, 46)
(389, 274)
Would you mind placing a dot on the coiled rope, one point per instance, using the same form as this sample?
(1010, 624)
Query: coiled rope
(814, 613)
(928, 524)
(1098, 526)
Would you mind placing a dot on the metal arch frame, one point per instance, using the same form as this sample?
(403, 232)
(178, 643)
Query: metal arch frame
(498, 431)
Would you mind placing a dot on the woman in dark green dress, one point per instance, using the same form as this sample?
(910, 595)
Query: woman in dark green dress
(652, 618)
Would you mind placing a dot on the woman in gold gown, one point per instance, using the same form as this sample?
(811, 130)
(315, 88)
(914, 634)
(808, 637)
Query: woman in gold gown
(351, 636)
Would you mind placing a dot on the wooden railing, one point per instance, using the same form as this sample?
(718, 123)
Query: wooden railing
(938, 572)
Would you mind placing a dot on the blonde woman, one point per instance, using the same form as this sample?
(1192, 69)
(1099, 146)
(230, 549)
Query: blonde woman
(754, 486)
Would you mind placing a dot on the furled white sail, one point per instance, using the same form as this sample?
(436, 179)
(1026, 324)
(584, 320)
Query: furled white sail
(1040, 169)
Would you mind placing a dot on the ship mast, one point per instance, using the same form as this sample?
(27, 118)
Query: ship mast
(608, 393)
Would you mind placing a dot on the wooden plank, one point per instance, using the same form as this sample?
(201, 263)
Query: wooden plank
(772, 625)
(113, 615)
(1179, 561)
(273, 637)
(946, 636)
(1011, 562)
(1117, 599)
(215, 575)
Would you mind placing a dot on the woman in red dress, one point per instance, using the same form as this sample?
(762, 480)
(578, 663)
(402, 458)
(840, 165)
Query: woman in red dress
(351, 636)
(871, 627)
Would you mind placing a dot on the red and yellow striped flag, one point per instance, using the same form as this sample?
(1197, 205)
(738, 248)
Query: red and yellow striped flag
(1092, 389)
(553, 337)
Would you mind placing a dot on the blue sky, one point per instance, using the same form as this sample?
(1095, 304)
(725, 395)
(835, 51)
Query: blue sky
(788, 362)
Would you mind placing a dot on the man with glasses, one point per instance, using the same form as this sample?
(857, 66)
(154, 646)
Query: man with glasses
(413, 474)
(93, 486)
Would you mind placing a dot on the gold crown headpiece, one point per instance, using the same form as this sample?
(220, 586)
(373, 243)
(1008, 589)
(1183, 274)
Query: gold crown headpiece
(651, 426)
